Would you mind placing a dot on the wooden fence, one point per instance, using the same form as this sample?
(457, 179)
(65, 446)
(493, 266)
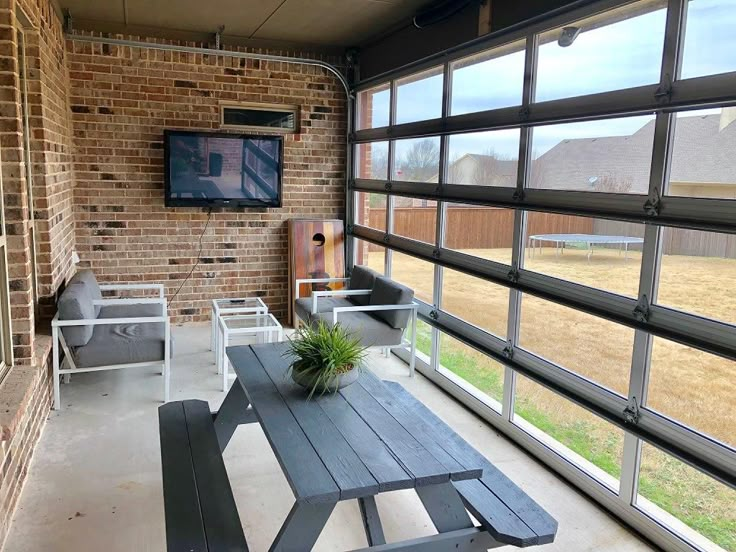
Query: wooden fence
(491, 228)
(474, 227)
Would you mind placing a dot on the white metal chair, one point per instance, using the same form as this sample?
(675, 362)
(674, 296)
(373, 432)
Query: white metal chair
(107, 326)
(335, 305)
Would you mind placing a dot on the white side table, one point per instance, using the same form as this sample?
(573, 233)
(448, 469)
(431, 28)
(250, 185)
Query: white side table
(220, 307)
(263, 326)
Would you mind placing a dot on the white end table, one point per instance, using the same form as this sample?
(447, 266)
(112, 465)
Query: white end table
(220, 307)
(263, 326)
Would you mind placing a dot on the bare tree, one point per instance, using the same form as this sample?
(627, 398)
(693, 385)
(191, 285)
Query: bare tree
(379, 163)
(614, 184)
(421, 161)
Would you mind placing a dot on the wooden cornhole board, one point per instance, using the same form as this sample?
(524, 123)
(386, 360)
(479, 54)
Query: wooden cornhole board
(316, 250)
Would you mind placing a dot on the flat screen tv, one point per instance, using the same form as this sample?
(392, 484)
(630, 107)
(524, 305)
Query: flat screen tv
(222, 170)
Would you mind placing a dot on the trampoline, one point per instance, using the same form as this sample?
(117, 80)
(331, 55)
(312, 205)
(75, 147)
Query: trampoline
(560, 240)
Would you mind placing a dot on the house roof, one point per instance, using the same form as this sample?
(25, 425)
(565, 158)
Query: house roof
(702, 154)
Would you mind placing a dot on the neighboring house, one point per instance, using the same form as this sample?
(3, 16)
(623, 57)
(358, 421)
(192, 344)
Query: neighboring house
(703, 160)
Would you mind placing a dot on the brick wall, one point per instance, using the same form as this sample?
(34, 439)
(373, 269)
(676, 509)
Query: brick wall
(122, 99)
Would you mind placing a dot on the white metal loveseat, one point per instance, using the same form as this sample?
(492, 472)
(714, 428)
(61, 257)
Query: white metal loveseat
(373, 307)
(97, 333)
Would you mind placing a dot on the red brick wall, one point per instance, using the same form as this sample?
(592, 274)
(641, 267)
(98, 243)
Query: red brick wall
(122, 99)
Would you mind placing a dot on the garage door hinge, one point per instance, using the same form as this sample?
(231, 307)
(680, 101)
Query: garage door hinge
(641, 311)
(653, 205)
(508, 350)
(631, 412)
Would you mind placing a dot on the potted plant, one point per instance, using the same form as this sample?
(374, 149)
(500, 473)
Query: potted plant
(325, 358)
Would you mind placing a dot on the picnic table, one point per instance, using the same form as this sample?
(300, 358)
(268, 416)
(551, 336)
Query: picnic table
(370, 437)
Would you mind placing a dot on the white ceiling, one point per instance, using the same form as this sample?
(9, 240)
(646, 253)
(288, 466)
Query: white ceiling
(337, 23)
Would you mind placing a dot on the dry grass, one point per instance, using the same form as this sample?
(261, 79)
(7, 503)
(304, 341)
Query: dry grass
(686, 384)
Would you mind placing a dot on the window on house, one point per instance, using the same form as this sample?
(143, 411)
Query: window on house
(370, 210)
(257, 116)
(6, 338)
(480, 231)
(415, 219)
(709, 38)
(371, 161)
(417, 160)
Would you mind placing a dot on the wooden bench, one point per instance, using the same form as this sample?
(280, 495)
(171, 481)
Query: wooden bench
(508, 514)
(201, 515)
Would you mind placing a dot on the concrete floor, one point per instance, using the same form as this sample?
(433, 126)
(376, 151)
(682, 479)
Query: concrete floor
(95, 481)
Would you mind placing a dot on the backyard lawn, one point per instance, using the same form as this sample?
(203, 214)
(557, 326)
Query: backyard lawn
(691, 386)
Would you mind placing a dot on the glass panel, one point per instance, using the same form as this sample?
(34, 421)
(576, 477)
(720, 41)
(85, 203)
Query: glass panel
(485, 232)
(612, 155)
(587, 440)
(371, 160)
(599, 253)
(250, 322)
(374, 106)
(371, 210)
(703, 163)
(488, 80)
(414, 273)
(592, 347)
(424, 341)
(371, 255)
(477, 301)
(484, 158)
(694, 388)
(682, 497)
(709, 38)
(618, 49)
(417, 160)
(483, 374)
(419, 96)
(415, 218)
(696, 268)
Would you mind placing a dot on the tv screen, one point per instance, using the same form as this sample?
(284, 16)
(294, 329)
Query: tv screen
(209, 169)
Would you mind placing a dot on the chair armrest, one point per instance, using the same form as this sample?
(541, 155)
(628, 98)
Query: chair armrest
(336, 293)
(301, 281)
(369, 308)
(121, 287)
(102, 321)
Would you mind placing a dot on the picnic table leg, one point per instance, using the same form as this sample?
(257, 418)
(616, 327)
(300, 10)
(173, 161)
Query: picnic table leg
(371, 521)
(233, 412)
(302, 527)
(444, 506)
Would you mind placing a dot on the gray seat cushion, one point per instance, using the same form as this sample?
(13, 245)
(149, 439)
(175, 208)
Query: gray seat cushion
(371, 331)
(303, 305)
(387, 292)
(87, 277)
(122, 344)
(362, 277)
(75, 303)
(130, 311)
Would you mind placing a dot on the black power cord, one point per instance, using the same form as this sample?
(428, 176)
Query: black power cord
(199, 259)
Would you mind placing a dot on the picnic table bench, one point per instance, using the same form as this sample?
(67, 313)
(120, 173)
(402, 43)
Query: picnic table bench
(368, 438)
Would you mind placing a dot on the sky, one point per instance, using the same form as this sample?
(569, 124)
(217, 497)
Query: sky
(621, 55)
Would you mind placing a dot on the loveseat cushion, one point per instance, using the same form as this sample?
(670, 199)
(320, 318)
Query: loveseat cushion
(75, 303)
(122, 344)
(362, 277)
(371, 331)
(303, 305)
(87, 277)
(387, 292)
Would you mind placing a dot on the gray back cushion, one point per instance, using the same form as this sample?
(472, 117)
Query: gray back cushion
(362, 277)
(388, 292)
(75, 303)
(87, 277)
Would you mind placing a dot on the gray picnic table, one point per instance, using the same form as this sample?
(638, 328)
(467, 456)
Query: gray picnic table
(373, 437)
